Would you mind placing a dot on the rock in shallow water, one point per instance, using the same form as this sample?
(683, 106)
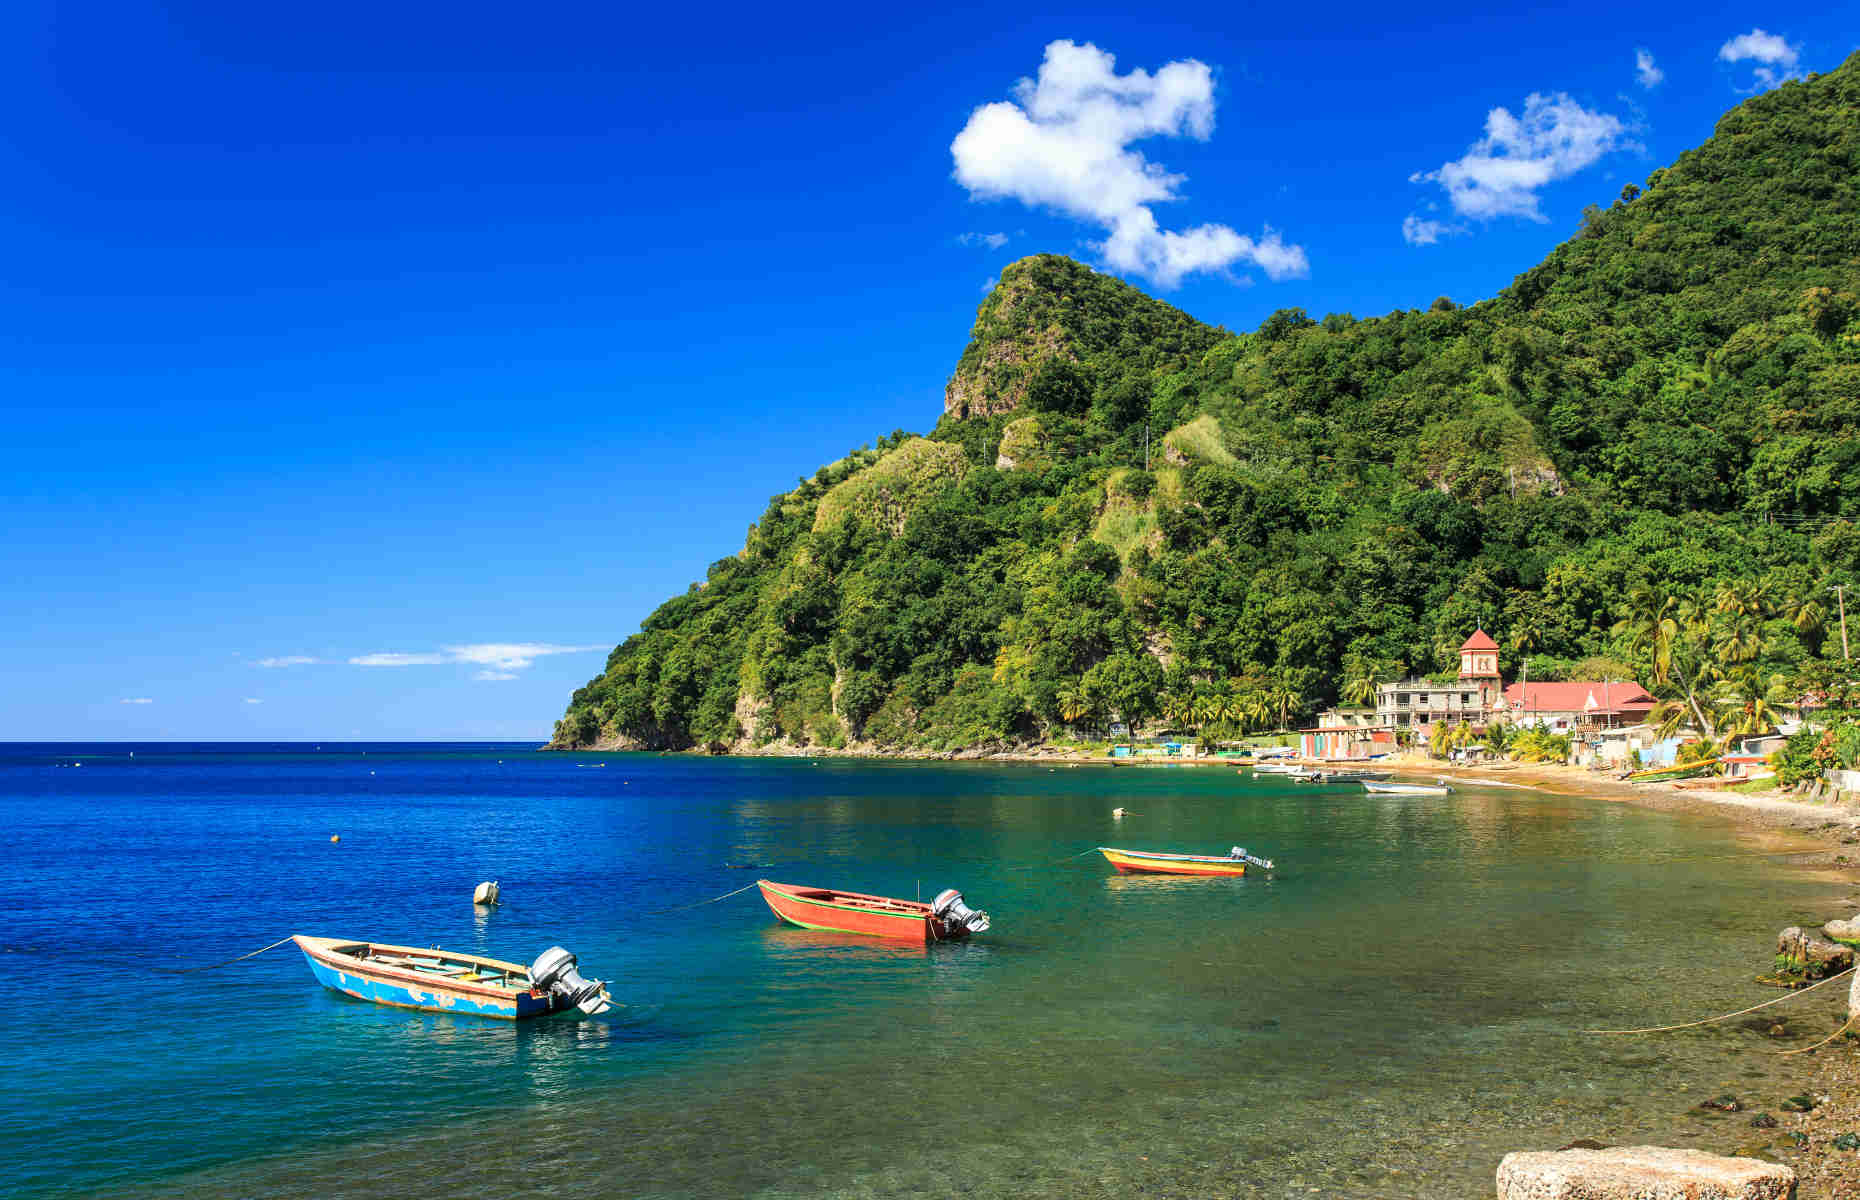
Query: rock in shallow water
(1817, 955)
(1640, 1173)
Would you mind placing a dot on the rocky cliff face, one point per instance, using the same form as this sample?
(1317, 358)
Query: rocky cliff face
(1045, 333)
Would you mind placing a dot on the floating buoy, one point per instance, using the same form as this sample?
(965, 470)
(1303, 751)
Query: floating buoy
(1118, 813)
(335, 837)
(486, 893)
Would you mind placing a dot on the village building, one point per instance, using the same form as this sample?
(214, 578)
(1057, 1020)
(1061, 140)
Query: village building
(1418, 703)
(1606, 719)
(1568, 707)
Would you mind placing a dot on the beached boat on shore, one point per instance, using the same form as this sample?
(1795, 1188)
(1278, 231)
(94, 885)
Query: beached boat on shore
(944, 919)
(1405, 789)
(449, 982)
(1145, 862)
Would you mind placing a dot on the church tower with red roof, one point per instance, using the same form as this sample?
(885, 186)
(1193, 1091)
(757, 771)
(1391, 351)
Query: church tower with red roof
(1479, 665)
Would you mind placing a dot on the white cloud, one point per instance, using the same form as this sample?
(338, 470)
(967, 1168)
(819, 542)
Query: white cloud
(1553, 138)
(1645, 71)
(1780, 60)
(487, 675)
(391, 659)
(988, 284)
(135, 700)
(253, 700)
(1423, 231)
(494, 656)
(287, 660)
(994, 241)
(1064, 143)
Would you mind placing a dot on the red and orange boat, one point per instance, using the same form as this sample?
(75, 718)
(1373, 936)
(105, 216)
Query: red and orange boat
(1145, 862)
(944, 919)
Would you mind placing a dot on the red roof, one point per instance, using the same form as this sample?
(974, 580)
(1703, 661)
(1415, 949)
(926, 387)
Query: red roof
(1480, 640)
(1578, 697)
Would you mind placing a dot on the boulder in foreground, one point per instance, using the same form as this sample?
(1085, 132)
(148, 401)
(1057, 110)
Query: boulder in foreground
(1640, 1173)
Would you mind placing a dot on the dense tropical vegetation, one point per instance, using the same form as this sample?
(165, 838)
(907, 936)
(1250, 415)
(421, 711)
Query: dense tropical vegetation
(1640, 457)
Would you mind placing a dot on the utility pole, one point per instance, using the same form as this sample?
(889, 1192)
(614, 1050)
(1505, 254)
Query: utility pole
(1840, 593)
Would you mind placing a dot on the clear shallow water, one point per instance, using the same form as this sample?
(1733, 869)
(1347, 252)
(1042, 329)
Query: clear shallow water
(1387, 1018)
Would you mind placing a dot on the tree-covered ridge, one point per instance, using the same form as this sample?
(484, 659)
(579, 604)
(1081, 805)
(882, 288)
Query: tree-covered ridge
(1659, 416)
(1055, 334)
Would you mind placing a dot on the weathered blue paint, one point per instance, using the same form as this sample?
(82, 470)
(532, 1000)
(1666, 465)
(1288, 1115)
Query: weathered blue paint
(434, 998)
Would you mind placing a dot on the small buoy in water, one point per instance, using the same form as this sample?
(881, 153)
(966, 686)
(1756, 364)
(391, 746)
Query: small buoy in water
(486, 893)
(1118, 813)
(335, 837)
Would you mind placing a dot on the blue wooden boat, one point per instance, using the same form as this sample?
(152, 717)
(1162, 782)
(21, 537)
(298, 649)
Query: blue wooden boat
(449, 982)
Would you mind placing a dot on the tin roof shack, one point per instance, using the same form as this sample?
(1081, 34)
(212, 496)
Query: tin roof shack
(1618, 746)
(1578, 706)
(1345, 742)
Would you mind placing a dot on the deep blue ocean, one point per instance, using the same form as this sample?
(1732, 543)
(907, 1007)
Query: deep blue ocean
(1387, 1017)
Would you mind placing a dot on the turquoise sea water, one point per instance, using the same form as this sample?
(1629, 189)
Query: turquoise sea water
(1386, 1018)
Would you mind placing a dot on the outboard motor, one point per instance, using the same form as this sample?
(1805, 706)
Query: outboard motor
(554, 971)
(1239, 852)
(957, 918)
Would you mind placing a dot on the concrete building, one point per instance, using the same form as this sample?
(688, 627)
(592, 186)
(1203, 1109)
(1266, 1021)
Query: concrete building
(1418, 703)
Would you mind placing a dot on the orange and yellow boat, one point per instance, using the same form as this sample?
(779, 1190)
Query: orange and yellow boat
(1145, 862)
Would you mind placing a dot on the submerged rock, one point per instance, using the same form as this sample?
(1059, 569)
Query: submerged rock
(1800, 1102)
(1640, 1173)
(1764, 1121)
(1724, 1103)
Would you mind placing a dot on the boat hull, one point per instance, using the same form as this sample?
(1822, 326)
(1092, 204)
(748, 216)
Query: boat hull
(1136, 862)
(853, 912)
(342, 972)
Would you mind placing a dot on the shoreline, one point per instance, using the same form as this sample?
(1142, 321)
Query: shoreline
(1772, 811)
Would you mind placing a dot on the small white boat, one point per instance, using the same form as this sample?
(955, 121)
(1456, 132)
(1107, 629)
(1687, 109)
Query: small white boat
(1277, 768)
(1406, 789)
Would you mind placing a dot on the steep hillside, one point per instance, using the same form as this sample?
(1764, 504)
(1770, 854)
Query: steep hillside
(1667, 405)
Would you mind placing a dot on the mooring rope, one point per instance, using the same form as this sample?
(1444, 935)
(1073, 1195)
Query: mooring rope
(227, 963)
(1039, 865)
(655, 912)
(1727, 1016)
(1824, 1041)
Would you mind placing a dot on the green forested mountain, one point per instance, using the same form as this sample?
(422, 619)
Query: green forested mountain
(1646, 449)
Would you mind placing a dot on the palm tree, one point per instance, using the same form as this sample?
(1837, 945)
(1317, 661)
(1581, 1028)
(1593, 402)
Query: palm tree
(1748, 703)
(1074, 704)
(1651, 625)
(1361, 683)
(1742, 639)
(1499, 735)
(1255, 706)
(1803, 610)
(1754, 598)
(1439, 739)
(1285, 701)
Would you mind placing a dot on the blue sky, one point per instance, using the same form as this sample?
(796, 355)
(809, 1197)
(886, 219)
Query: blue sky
(453, 338)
